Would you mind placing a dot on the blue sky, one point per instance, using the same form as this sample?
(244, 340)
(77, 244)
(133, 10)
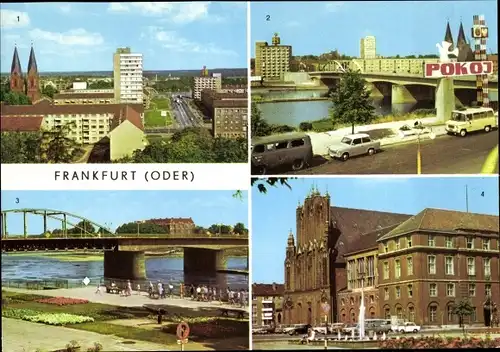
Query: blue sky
(83, 36)
(402, 27)
(273, 213)
(112, 209)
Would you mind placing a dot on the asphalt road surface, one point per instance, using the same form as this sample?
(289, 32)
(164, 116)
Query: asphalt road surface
(183, 115)
(444, 155)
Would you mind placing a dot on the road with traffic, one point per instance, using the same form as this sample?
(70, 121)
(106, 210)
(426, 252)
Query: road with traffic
(184, 117)
(444, 155)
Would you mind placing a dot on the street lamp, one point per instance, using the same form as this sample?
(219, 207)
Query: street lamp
(418, 125)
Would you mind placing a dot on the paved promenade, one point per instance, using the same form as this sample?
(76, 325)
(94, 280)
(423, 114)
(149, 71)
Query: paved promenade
(135, 300)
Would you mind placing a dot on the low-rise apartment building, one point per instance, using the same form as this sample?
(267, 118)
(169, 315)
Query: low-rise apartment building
(267, 304)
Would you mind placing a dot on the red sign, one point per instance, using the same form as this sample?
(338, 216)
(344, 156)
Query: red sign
(182, 331)
(458, 69)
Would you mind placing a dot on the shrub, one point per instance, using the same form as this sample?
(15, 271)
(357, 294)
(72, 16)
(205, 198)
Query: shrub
(305, 126)
(96, 348)
(58, 318)
(439, 342)
(62, 301)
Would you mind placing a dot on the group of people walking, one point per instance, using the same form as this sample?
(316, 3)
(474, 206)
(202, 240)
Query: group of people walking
(207, 293)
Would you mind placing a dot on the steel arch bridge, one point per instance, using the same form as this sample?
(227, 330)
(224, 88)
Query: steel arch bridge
(64, 217)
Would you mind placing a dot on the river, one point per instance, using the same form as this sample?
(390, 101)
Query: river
(36, 267)
(293, 113)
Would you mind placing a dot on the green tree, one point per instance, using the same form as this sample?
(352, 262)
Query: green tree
(259, 126)
(104, 231)
(351, 101)
(57, 147)
(263, 183)
(20, 147)
(15, 98)
(230, 150)
(83, 227)
(142, 228)
(101, 84)
(49, 91)
(4, 89)
(200, 230)
(220, 229)
(240, 229)
(463, 309)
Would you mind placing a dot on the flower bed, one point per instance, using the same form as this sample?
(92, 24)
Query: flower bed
(58, 318)
(211, 327)
(439, 342)
(62, 301)
(17, 313)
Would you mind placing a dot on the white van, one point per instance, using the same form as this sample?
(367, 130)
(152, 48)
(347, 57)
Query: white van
(470, 120)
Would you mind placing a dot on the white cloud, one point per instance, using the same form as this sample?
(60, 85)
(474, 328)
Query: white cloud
(333, 6)
(179, 12)
(73, 37)
(66, 8)
(13, 19)
(175, 42)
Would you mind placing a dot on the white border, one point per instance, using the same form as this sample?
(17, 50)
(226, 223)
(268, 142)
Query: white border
(203, 177)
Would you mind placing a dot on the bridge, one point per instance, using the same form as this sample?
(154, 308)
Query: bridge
(402, 80)
(124, 256)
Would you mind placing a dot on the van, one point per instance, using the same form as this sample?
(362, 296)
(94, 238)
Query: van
(471, 120)
(288, 149)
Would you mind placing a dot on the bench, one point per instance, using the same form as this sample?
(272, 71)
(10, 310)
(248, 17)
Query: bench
(113, 289)
(238, 312)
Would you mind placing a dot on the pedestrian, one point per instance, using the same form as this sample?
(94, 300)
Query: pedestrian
(160, 289)
(181, 289)
(129, 288)
(150, 289)
(170, 289)
(138, 289)
(98, 290)
(198, 293)
(191, 291)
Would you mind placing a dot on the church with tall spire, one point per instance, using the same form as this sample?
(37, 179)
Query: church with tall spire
(30, 86)
(464, 50)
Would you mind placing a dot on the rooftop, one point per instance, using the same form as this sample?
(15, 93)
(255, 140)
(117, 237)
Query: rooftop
(21, 123)
(273, 289)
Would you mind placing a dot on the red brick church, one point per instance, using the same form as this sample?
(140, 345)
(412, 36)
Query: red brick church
(30, 85)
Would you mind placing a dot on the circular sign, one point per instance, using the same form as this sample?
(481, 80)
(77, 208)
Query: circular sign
(182, 331)
(325, 307)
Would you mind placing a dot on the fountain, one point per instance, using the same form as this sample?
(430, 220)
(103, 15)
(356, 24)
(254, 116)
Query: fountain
(339, 336)
(361, 317)
(383, 337)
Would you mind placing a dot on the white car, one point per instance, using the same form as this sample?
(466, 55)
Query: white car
(407, 327)
(407, 130)
(321, 330)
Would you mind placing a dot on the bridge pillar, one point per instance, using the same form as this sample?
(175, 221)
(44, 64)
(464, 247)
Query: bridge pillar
(201, 265)
(124, 265)
(445, 99)
(4, 225)
(25, 219)
(65, 226)
(375, 93)
(44, 222)
(401, 95)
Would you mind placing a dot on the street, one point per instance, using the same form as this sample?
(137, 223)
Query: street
(444, 155)
(184, 117)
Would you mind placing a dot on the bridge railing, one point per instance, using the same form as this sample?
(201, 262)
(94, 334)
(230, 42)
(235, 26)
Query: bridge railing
(132, 235)
(41, 284)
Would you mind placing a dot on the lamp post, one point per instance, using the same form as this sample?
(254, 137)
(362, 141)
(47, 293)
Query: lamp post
(418, 125)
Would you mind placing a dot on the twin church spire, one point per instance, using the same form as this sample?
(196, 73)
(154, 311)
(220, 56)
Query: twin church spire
(30, 86)
(465, 52)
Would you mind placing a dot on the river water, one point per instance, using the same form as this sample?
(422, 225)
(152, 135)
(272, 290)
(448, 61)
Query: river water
(25, 267)
(293, 113)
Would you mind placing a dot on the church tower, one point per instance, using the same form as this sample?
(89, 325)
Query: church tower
(465, 52)
(448, 37)
(33, 79)
(16, 74)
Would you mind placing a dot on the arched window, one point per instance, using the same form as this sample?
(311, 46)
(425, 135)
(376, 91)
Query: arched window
(279, 318)
(411, 313)
(432, 312)
(449, 313)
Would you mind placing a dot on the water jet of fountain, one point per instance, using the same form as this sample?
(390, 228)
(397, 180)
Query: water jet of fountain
(384, 336)
(338, 335)
(361, 317)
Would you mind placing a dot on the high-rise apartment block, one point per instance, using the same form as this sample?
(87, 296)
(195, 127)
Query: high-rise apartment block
(127, 74)
(201, 83)
(272, 61)
(368, 47)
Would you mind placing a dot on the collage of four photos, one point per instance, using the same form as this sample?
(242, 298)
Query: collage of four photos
(267, 175)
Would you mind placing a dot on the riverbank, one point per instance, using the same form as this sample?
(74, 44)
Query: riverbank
(118, 319)
(283, 100)
(93, 256)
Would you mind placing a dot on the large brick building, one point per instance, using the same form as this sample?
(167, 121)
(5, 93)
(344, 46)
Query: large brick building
(176, 226)
(410, 267)
(30, 86)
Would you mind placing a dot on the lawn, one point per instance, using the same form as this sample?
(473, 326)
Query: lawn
(153, 118)
(15, 305)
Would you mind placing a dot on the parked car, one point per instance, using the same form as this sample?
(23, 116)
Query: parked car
(378, 326)
(336, 327)
(353, 145)
(349, 328)
(259, 331)
(407, 130)
(408, 327)
(299, 329)
(468, 120)
(289, 149)
(323, 330)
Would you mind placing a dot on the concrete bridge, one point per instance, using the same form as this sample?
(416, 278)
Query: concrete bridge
(124, 258)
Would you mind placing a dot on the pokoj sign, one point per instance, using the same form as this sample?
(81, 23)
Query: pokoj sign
(448, 67)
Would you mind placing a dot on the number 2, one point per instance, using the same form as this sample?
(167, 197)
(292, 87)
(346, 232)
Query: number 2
(268, 18)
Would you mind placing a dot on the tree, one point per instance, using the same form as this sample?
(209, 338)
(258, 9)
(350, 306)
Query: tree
(263, 183)
(230, 150)
(84, 227)
(20, 147)
(220, 229)
(351, 101)
(15, 98)
(259, 126)
(463, 309)
(104, 231)
(200, 230)
(57, 147)
(49, 91)
(146, 227)
(240, 229)
(101, 84)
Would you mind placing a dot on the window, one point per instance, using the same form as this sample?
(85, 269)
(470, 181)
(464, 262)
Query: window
(433, 290)
(471, 266)
(411, 314)
(387, 313)
(432, 314)
(486, 244)
(450, 290)
(386, 270)
(472, 290)
(487, 290)
(386, 247)
(410, 291)
(351, 300)
(386, 294)
(449, 242)
(449, 311)
(297, 143)
(473, 316)
(408, 242)
(342, 302)
(356, 141)
(470, 242)
(372, 299)
(397, 269)
(398, 244)
(431, 264)
(431, 241)
(487, 268)
(448, 266)
(398, 292)
(399, 313)
(409, 266)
